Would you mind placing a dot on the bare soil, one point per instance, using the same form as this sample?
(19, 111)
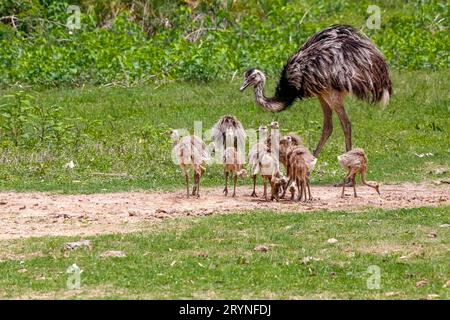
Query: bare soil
(43, 214)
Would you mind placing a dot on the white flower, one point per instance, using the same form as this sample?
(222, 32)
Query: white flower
(69, 165)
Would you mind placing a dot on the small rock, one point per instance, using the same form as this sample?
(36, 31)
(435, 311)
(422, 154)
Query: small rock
(332, 241)
(307, 260)
(132, 213)
(22, 207)
(421, 283)
(392, 294)
(445, 225)
(261, 248)
(208, 212)
(63, 215)
(114, 254)
(77, 244)
(440, 170)
(3, 203)
(447, 284)
(69, 165)
(432, 235)
(23, 270)
(202, 254)
(432, 296)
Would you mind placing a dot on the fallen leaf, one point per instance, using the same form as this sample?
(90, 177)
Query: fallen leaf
(202, 254)
(332, 241)
(421, 283)
(77, 244)
(261, 248)
(307, 260)
(69, 165)
(113, 254)
(447, 284)
(392, 294)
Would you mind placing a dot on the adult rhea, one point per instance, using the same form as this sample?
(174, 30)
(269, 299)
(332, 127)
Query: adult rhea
(333, 63)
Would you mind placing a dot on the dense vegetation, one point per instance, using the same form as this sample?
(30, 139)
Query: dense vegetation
(128, 42)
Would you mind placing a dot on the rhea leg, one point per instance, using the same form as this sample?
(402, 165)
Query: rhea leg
(303, 191)
(346, 125)
(285, 189)
(272, 190)
(235, 182)
(354, 185)
(194, 187)
(265, 188)
(364, 182)
(299, 189)
(199, 175)
(254, 186)
(187, 182)
(345, 182)
(327, 125)
(309, 189)
(225, 190)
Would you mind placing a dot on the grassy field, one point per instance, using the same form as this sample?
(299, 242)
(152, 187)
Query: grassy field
(120, 132)
(214, 257)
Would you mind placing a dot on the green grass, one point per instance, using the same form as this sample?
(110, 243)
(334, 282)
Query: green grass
(121, 131)
(214, 257)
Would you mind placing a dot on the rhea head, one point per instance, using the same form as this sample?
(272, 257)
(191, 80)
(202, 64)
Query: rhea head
(252, 77)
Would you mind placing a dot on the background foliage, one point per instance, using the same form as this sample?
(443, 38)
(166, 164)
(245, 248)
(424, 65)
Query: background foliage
(126, 42)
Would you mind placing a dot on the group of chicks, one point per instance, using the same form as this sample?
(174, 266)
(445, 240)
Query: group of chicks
(265, 156)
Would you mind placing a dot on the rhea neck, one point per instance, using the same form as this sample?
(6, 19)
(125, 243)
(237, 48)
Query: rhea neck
(273, 104)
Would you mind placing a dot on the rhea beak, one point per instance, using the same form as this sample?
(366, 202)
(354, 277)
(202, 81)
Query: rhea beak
(245, 85)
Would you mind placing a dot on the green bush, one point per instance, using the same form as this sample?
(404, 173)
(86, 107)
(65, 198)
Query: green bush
(129, 42)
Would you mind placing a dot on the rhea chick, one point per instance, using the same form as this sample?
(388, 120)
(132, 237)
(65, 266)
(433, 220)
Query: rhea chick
(355, 161)
(256, 153)
(233, 163)
(190, 153)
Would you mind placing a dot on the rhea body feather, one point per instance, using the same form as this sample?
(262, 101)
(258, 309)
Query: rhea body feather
(337, 58)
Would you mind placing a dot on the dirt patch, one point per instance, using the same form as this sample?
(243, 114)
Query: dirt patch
(43, 214)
